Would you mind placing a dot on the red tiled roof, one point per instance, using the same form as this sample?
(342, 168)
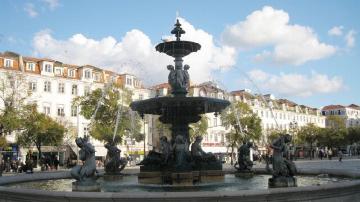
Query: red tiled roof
(162, 85)
(330, 107)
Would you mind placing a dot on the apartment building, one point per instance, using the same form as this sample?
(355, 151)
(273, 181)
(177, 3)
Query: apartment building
(54, 85)
(350, 114)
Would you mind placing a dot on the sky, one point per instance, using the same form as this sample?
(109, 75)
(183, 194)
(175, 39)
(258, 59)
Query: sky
(305, 51)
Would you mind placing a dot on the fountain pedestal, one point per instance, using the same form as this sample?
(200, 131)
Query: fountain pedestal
(282, 182)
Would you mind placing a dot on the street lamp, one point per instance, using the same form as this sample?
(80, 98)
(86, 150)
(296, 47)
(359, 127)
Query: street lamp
(293, 126)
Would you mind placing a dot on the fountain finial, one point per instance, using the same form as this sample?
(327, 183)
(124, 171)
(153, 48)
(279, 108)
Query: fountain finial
(177, 31)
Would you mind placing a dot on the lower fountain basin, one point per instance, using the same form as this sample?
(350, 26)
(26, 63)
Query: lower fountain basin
(333, 189)
(130, 183)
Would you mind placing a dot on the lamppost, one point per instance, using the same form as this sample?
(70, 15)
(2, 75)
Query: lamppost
(293, 126)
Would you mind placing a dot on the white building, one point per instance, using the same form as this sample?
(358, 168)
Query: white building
(54, 85)
(350, 114)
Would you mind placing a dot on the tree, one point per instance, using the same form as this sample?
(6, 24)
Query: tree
(13, 92)
(309, 134)
(353, 135)
(112, 101)
(335, 135)
(199, 128)
(40, 130)
(273, 134)
(236, 117)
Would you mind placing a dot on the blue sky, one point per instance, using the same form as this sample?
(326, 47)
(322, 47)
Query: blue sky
(306, 51)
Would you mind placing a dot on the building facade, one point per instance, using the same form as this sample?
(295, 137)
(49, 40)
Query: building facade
(350, 114)
(53, 86)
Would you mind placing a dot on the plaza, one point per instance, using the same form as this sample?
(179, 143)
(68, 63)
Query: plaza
(250, 107)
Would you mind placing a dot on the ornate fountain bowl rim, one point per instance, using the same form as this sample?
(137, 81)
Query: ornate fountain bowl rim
(178, 48)
(191, 105)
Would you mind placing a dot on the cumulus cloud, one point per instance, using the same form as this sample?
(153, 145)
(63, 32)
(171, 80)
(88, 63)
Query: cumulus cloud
(135, 53)
(292, 43)
(296, 84)
(29, 8)
(350, 39)
(52, 4)
(336, 31)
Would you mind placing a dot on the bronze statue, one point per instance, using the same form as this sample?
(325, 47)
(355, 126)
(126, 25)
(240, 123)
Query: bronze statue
(114, 164)
(282, 166)
(244, 163)
(85, 172)
(165, 149)
(181, 153)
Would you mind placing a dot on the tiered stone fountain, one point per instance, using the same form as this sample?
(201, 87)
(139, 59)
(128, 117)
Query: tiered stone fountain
(176, 164)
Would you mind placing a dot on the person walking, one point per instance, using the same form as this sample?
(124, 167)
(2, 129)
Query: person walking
(330, 154)
(340, 154)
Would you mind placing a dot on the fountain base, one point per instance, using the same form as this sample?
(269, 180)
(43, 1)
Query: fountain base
(181, 178)
(275, 182)
(86, 187)
(112, 177)
(244, 174)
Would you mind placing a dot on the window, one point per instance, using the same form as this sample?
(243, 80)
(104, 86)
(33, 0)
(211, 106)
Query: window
(46, 110)
(74, 90)
(86, 131)
(141, 97)
(48, 68)
(216, 138)
(8, 63)
(215, 121)
(87, 90)
(73, 110)
(128, 81)
(71, 73)
(31, 66)
(87, 74)
(60, 111)
(61, 88)
(32, 86)
(47, 86)
(97, 77)
(58, 71)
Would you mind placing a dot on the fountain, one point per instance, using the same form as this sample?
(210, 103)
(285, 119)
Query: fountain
(178, 173)
(184, 167)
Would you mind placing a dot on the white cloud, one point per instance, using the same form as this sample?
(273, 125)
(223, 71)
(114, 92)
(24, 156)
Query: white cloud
(135, 53)
(292, 44)
(52, 4)
(336, 31)
(296, 84)
(350, 39)
(29, 8)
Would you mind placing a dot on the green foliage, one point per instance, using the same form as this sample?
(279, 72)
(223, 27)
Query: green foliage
(13, 92)
(199, 128)
(103, 123)
(273, 134)
(353, 135)
(332, 137)
(3, 142)
(241, 112)
(308, 134)
(335, 122)
(39, 130)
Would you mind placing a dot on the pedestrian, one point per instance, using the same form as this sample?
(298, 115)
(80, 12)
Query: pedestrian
(330, 154)
(340, 154)
(56, 162)
(321, 154)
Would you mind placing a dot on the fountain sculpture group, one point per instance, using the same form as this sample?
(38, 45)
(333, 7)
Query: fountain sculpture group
(175, 164)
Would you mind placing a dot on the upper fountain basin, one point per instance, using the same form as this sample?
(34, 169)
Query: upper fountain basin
(178, 48)
(179, 106)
